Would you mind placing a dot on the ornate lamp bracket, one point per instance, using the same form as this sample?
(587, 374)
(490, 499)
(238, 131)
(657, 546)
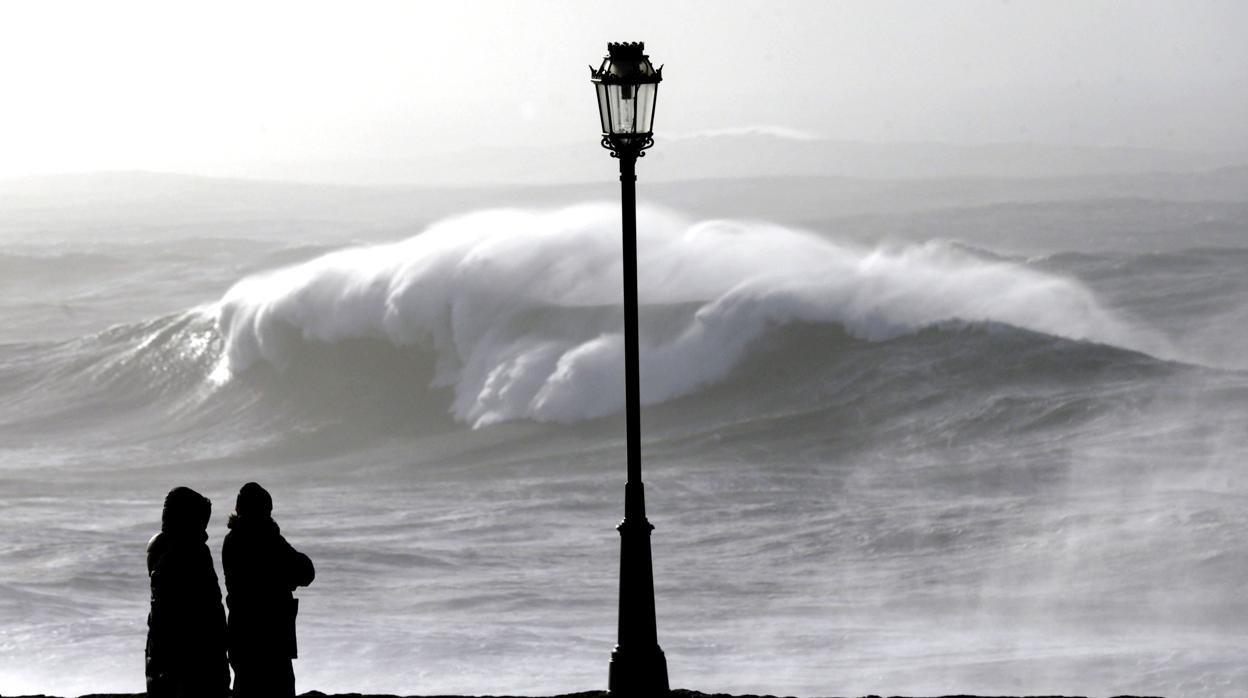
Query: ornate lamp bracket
(632, 145)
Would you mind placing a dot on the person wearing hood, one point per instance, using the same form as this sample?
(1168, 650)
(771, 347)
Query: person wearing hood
(261, 572)
(185, 655)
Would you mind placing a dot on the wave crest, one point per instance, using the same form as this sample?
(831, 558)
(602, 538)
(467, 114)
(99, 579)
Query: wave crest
(521, 308)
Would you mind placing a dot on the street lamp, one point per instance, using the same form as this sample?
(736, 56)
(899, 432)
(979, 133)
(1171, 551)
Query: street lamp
(627, 85)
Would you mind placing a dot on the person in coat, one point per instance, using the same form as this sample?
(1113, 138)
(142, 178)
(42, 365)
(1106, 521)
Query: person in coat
(261, 572)
(185, 655)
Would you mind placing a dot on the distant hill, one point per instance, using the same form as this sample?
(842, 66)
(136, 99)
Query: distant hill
(143, 205)
(752, 154)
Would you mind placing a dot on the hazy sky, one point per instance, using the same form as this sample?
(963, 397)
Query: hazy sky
(219, 86)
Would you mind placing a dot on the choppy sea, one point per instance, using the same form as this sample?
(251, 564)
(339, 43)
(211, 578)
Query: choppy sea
(948, 460)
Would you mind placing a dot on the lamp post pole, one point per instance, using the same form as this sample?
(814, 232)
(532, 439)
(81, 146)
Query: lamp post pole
(627, 85)
(638, 666)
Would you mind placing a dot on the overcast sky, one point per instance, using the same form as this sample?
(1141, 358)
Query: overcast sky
(221, 86)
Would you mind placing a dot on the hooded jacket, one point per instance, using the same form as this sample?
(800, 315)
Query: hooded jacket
(261, 572)
(185, 654)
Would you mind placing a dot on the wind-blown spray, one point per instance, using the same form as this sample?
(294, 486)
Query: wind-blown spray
(520, 307)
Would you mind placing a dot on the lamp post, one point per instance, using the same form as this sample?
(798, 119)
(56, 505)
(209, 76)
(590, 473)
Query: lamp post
(627, 85)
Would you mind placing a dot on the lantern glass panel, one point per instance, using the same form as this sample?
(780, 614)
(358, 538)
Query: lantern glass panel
(623, 105)
(604, 113)
(645, 106)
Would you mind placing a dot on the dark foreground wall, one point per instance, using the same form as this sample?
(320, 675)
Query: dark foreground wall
(678, 693)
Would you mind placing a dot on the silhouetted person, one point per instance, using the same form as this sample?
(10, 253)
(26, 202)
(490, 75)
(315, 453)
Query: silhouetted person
(261, 571)
(185, 655)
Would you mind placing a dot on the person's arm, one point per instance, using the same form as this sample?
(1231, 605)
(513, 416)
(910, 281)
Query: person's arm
(170, 605)
(299, 569)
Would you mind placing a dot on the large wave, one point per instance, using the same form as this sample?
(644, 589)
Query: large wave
(520, 308)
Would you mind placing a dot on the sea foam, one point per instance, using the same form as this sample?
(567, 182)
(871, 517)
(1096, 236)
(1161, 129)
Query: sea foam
(520, 308)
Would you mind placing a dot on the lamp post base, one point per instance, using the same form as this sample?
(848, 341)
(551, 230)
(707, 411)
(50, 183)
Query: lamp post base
(638, 673)
(638, 667)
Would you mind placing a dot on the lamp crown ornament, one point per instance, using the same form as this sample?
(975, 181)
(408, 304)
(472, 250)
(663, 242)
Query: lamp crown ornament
(626, 49)
(626, 62)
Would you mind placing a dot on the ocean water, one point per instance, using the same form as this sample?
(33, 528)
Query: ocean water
(995, 449)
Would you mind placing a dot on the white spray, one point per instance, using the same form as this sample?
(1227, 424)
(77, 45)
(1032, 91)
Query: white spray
(462, 288)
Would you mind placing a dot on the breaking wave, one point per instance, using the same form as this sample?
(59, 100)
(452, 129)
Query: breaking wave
(519, 310)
